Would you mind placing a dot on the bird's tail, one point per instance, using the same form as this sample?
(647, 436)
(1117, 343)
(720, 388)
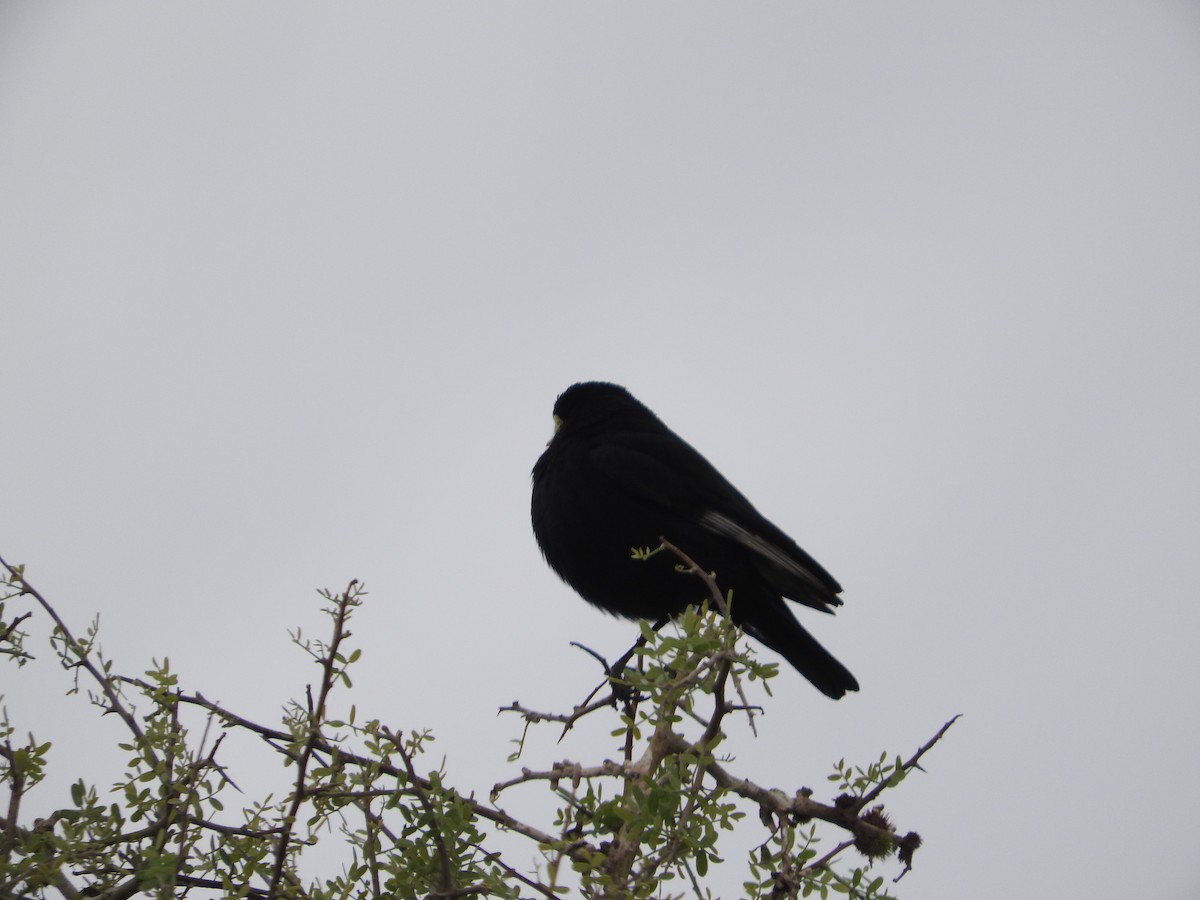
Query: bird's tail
(774, 625)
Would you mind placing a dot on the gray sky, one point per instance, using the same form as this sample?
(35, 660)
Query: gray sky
(288, 291)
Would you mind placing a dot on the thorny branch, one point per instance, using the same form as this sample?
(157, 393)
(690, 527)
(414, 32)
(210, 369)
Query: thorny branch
(316, 716)
(623, 855)
(845, 813)
(82, 655)
(435, 827)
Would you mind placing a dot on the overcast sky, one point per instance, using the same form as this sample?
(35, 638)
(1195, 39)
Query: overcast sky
(287, 292)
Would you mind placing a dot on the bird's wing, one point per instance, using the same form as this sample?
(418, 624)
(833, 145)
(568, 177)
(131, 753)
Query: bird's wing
(665, 471)
(790, 558)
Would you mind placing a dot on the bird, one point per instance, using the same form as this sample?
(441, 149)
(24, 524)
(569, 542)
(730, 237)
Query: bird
(614, 478)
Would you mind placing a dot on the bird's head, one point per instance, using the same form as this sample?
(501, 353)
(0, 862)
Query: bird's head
(593, 406)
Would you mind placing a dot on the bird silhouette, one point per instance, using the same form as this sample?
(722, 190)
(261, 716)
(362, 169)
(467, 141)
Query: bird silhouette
(614, 478)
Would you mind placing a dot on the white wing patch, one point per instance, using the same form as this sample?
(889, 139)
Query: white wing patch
(725, 526)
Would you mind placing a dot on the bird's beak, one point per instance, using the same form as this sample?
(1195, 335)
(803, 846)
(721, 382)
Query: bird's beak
(557, 425)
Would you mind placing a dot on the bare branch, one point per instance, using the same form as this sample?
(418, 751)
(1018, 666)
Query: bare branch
(910, 764)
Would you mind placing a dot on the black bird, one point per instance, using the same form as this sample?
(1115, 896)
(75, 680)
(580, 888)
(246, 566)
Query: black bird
(614, 477)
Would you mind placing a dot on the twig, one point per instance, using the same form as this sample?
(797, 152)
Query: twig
(912, 762)
(435, 826)
(313, 739)
(703, 574)
(715, 591)
(799, 806)
(12, 626)
(612, 674)
(114, 701)
(495, 859)
(566, 771)
(825, 860)
(278, 739)
(533, 716)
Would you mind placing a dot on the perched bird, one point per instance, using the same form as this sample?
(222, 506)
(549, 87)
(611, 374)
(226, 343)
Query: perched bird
(614, 478)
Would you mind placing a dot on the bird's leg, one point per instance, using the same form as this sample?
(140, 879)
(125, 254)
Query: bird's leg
(622, 692)
(615, 670)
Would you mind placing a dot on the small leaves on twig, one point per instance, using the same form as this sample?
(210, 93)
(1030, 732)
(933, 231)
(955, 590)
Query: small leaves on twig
(625, 827)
